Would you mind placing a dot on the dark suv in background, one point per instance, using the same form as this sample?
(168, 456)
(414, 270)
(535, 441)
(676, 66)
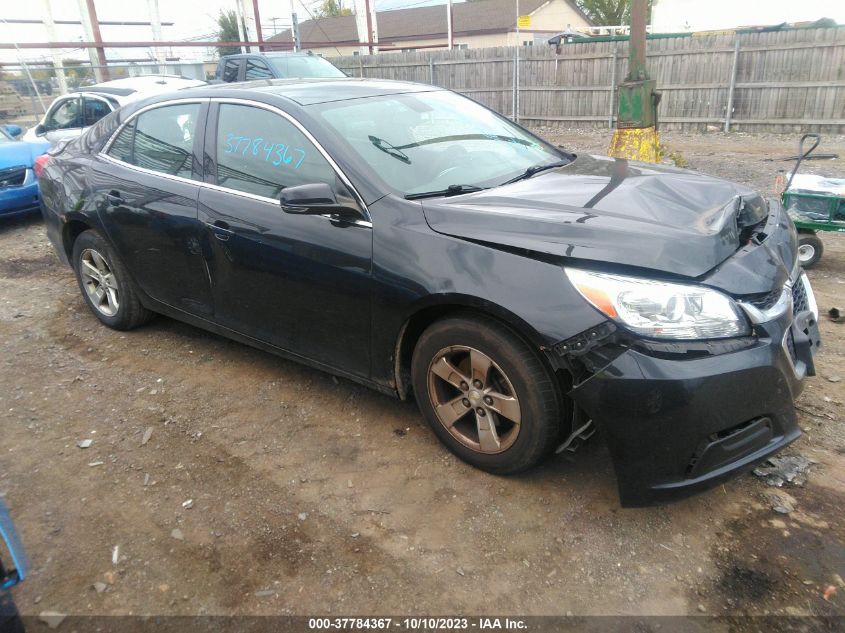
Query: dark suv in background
(285, 65)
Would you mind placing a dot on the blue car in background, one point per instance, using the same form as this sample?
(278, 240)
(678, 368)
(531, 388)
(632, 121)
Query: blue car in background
(18, 181)
(13, 568)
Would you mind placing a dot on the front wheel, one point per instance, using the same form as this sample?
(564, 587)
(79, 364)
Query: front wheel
(810, 249)
(486, 394)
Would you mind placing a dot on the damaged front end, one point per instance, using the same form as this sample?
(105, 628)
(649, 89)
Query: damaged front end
(683, 415)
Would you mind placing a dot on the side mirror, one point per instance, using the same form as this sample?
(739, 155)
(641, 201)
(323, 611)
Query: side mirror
(40, 129)
(14, 130)
(313, 199)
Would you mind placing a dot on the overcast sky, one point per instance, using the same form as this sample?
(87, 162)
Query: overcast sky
(193, 18)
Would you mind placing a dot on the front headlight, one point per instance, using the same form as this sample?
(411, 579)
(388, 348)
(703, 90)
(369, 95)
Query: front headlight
(658, 309)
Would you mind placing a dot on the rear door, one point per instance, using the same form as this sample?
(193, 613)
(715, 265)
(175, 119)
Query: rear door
(298, 282)
(146, 186)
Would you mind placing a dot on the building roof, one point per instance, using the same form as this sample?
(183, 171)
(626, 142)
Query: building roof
(469, 18)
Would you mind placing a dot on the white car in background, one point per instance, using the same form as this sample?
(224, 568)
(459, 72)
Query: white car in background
(71, 114)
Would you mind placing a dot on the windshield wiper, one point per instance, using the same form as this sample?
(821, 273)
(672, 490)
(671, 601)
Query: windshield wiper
(536, 169)
(390, 150)
(451, 190)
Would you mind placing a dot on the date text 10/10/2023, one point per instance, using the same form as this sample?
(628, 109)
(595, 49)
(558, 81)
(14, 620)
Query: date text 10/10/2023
(281, 153)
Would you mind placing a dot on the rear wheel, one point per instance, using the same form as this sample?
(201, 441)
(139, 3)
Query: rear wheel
(486, 394)
(810, 249)
(105, 283)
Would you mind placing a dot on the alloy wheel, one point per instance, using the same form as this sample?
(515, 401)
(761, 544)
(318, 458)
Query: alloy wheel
(99, 282)
(473, 399)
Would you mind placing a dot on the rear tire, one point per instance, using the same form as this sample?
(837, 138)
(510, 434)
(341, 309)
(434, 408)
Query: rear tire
(105, 283)
(457, 362)
(810, 249)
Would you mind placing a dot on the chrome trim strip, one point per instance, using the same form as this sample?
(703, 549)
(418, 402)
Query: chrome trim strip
(799, 368)
(338, 171)
(811, 297)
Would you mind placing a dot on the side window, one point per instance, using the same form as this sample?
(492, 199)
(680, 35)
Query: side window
(93, 110)
(230, 70)
(161, 140)
(121, 147)
(64, 116)
(260, 152)
(256, 69)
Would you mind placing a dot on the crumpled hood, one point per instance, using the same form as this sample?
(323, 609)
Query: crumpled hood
(606, 210)
(21, 153)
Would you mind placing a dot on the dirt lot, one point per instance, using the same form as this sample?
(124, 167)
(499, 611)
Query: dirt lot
(313, 495)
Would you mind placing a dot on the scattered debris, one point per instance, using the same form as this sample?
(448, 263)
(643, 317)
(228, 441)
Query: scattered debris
(400, 432)
(302, 516)
(355, 534)
(780, 502)
(94, 464)
(702, 608)
(459, 571)
(349, 483)
(52, 618)
(146, 479)
(829, 592)
(835, 378)
(264, 593)
(835, 315)
(177, 534)
(84, 443)
(147, 435)
(100, 587)
(115, 554)
(188, 504)
(791, 470)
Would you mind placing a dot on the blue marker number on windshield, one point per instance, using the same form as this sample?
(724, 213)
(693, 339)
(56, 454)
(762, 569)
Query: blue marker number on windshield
(275, 153)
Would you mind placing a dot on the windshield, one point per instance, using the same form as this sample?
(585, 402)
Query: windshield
(303, 66)
(428, 141)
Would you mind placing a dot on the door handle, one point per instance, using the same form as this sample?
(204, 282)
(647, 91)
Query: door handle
(114, 198)
(221, 230)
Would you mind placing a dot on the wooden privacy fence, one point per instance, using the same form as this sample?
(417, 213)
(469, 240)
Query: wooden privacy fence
(781, 81)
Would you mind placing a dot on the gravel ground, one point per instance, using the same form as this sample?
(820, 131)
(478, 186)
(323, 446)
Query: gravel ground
(269, 488)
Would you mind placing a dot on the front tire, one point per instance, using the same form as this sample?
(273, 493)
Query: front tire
(105, 283)
(486, 394)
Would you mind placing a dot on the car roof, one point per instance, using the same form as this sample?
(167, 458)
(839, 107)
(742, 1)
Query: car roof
(272, 54)
(306, 92)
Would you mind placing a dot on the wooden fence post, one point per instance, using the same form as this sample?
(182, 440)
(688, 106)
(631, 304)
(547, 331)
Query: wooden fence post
(730, 105)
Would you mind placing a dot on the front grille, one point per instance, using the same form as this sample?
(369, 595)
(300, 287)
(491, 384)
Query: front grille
(799, 297)
(12, 176)
(790, 346)
(766, 301)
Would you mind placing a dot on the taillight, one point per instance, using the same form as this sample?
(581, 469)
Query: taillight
(40, 164)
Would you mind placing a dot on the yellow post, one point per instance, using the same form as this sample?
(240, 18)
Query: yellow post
(636, 143)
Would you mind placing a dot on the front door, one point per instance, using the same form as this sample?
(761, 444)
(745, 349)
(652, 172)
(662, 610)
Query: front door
(298, 282)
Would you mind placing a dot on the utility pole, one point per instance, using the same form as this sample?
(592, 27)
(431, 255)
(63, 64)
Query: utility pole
(91, 29)
(155, 22)
(636, 135)
(449, 23)
(259, 36)
(294, 28)
(55, 53)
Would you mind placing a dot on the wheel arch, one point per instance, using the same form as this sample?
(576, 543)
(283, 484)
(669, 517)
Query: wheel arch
(73, 227)
(443, 306)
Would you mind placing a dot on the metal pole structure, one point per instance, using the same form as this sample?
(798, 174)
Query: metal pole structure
(294, 28)
(431, 70)
(730, 105)
(89, 37)
(449, 23)
(513, 100)
(369, 26)
(155, 22)
(258, 35)
(636, 135)
(611, 110)
(54, 53)
(95, 31)
(239, 17)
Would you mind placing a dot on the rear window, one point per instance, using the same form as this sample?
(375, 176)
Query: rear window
(303, 66)
(161, 140)
(230, 70)
(257, 69)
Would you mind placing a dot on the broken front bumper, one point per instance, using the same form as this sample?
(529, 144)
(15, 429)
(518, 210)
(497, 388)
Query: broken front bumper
(677, 423)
